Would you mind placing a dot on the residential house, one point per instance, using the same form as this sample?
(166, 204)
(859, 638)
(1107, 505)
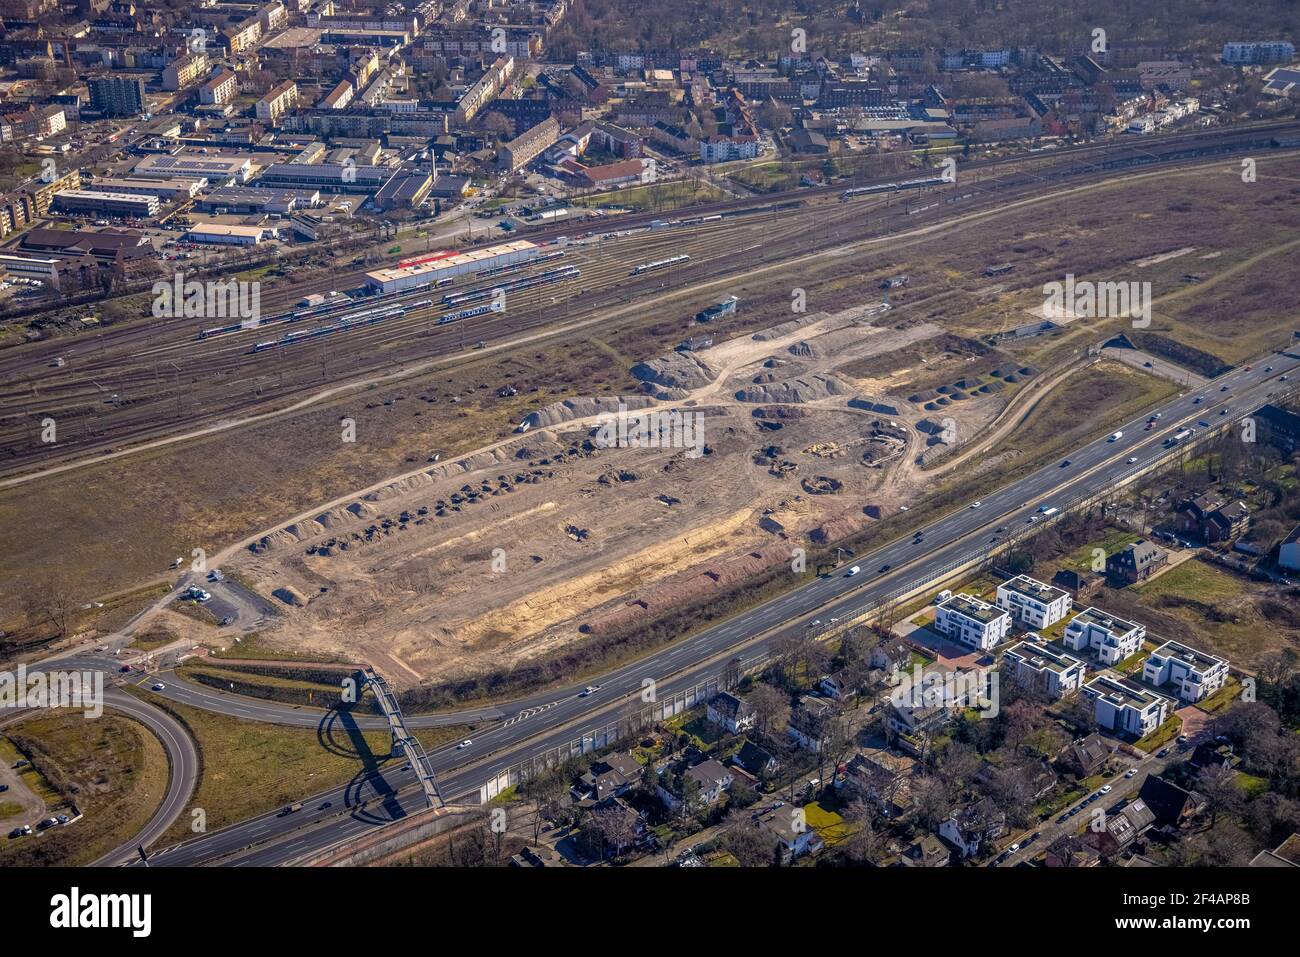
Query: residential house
(811, 722)
(880, 777)
(711, 776)
(1086, 756)
(1031, 603)
(970, 828)
(972, 622)
(1279, 427)
(1110, 638)
(756, 759)
(1138, 562)
(1124, 706)
(1069, 850)
(1172, 805)
(1212, 519)
(731, 712)
(1286, 854)
(1079, 584)
(613, 828)
(611, 776)
(912, 726)
(1121, 829)
(926, 851)
(792, 834)
(839, 685)
(890, 656)
(1192, 675)
(1034, 664)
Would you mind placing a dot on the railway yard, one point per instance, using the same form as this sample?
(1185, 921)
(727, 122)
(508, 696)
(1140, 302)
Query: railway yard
(818, 422)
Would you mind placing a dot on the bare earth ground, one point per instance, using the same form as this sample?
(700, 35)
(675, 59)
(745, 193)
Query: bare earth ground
(424, 602)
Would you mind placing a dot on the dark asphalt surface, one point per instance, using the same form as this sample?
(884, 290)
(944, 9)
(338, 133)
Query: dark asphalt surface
(554, 719)
(540, 722)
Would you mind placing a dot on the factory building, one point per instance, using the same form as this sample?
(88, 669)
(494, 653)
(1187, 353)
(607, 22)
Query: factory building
(94, 202)
(430, 270)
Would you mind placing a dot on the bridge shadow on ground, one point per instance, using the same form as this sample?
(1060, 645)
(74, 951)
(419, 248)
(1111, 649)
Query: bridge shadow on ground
(338, 733)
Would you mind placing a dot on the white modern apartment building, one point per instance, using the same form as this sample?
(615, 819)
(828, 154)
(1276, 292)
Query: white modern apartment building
(1193, 675)
(1033, 664)
(1031, 603)
(970, 621)
(1272, 51)
(1124, 707)
(1111, 639)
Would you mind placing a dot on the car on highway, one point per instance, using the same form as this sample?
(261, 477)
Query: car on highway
(1132, 459)
(1198, 400)
(976, 504)
(852, 571)
(1223, 388)
(326, 806)
(588, 691)
(1065, 464)
(159, 686)
(885, 568)
(464, 744)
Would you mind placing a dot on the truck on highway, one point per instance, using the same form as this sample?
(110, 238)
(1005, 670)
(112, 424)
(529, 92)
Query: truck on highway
(291, 809)
(1048, 511)
(1182, 435)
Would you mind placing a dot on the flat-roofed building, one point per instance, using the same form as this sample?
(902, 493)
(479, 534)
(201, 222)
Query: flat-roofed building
(970, 621)
(426, 272)
(108, 204)
(1032, 603)
(1110, 638)
(168, 189)
(1193, 675)
(1120, 705)
(218, 169)
(327, 177)
(1033, 663)
(221, 234)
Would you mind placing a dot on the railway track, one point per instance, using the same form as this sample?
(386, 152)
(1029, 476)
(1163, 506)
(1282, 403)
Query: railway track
(170, 383)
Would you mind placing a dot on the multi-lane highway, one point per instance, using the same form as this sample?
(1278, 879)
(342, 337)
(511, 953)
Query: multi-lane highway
(553, 719)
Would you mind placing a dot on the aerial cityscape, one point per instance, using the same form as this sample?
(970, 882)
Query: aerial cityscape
(662, 434)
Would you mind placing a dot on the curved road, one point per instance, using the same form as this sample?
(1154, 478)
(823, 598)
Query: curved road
(556, 719)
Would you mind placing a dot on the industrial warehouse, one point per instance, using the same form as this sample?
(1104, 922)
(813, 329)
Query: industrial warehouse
(432, 269)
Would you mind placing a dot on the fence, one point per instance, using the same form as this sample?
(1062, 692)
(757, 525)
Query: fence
(610, 734)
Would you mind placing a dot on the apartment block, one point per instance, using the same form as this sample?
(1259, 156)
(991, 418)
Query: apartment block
(1032, 603)
(1032, 663)
(116, 95)
(280, 100)
(219, 90)
(1110, 638)
(184, 70)
(970, 621)
(1125, 707)
(1193, 675)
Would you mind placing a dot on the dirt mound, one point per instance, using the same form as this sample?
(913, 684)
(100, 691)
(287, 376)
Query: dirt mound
(805, 389)
(829, 344)
(839, 527)
(568, 410)
(680, 370)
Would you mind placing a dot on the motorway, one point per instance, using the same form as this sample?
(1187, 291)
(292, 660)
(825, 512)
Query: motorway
(554, 719)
